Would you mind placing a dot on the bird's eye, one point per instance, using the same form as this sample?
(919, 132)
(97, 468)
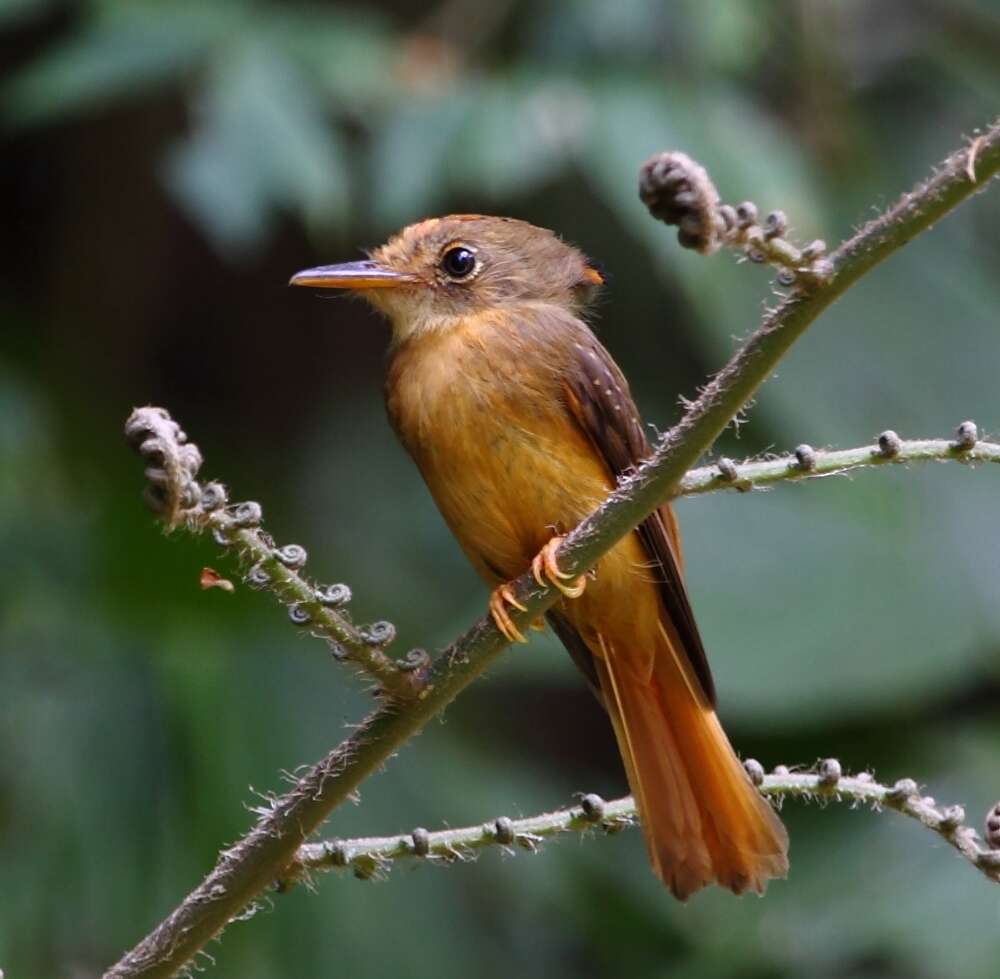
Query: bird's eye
(458, 262)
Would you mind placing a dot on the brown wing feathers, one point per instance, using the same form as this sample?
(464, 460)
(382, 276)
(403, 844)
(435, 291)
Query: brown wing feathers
(702, 819)
(598, 399)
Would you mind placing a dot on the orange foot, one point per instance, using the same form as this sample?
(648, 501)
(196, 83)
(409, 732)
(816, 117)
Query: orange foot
(500, 598)
(546, 570)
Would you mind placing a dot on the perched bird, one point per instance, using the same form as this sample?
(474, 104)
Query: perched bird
(520, 423)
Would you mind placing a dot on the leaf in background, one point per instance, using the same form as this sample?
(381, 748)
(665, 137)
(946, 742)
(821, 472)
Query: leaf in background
(215, 180)
(119, 54)
(859, 371)
(262, 144)
(730, 36)
(348, 51)
(837, 598)
(409, 156)
(12, 11)
(521, 131)
(581, 32)
(631, 118)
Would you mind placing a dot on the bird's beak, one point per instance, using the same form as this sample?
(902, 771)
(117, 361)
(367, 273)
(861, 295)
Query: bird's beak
(353, 275)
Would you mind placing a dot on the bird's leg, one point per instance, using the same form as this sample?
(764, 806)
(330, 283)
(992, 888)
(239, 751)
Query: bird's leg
(500, 598)
(546, 571)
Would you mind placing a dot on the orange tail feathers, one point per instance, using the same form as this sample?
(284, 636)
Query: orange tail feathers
(703, 820)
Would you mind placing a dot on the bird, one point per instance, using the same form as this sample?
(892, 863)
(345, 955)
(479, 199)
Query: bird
(521, 423)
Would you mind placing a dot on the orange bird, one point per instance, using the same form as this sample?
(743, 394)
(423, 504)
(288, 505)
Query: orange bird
(521, 423)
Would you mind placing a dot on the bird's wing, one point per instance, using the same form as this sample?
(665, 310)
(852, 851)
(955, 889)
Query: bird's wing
(598, 399)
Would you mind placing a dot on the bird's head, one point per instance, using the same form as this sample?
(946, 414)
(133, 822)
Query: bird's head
(433, 274)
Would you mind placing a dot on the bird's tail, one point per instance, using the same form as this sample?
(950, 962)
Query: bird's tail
(703, 820)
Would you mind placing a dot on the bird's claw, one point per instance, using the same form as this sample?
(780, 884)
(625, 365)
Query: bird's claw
(546, 571)
(500, 598)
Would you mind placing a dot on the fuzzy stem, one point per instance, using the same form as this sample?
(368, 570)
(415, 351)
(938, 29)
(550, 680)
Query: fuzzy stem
(369, 857)
(181, 501)
(260, 857)
(809, 463)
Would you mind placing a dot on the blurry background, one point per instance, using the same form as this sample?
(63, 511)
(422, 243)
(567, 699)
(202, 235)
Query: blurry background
(167, 166)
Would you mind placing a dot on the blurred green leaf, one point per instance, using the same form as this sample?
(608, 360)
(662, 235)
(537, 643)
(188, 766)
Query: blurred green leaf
(119, 54)
(410, 157)
(825, 601)
(731, 36)
(584, 32)
(13, 11)
(348, 51)
(518, 136)
(261, 145)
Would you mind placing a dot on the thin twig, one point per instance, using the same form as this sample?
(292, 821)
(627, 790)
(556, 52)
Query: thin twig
(807, 462)
(175, 493)
(370, 857)
(678, 191)
(260, 857)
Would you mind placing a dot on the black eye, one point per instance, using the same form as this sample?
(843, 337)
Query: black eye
(458, 262)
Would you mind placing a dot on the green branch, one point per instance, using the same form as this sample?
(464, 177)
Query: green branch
(252, 864)
(370, 857)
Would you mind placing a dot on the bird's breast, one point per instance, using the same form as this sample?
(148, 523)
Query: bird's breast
(480, 409)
